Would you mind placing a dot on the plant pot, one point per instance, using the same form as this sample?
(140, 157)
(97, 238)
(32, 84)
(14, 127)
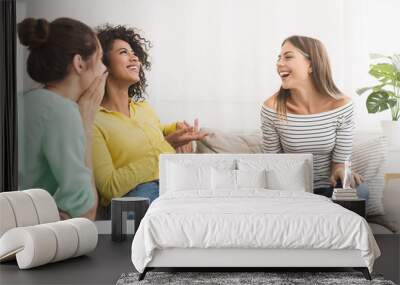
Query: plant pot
(391, 130)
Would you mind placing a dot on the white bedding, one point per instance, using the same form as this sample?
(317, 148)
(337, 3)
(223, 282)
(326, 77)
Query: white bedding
(252, 218)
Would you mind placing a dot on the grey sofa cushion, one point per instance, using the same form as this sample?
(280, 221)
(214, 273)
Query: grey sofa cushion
(368, 159)
(384, 221)
(221, 142)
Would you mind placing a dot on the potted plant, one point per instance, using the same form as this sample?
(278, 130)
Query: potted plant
(386, 94)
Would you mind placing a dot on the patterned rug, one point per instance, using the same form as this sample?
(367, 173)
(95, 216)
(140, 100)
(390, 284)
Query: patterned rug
(243, 278)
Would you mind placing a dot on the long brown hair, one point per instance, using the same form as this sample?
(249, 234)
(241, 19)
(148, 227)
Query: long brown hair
(321, 74)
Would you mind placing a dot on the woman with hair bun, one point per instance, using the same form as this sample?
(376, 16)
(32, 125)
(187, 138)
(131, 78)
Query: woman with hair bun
(66, 58)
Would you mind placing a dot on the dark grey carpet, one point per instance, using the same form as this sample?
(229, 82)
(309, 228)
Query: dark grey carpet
(230, 278)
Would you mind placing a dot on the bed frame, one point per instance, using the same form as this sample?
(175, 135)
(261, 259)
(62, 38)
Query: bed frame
(251, 258)
(243, 259)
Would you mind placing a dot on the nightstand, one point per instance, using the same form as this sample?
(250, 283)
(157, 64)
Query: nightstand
(357, 205)
(119, 214)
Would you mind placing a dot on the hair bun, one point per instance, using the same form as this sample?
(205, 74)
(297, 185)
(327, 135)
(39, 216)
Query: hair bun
(33, 32)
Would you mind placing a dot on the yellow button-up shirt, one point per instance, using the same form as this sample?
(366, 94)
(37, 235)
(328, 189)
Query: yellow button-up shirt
(126, 149)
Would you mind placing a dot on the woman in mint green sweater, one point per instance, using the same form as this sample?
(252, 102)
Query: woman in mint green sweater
(65, 57)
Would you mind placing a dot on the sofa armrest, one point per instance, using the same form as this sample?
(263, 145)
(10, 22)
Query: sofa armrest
(391, 199)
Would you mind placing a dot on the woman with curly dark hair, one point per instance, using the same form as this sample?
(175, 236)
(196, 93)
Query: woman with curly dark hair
(128, 135)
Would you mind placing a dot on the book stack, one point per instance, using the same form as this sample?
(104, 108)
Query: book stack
(344, 194)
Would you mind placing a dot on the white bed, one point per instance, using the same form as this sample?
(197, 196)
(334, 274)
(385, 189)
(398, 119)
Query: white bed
(202, 223)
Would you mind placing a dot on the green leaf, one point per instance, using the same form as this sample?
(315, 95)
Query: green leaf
(383, 71)
(396, 61)
(377, 56)
(380, 101)
(378, 87)
(360, 91)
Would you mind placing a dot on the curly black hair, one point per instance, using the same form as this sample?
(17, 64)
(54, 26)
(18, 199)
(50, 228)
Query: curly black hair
(108, 33)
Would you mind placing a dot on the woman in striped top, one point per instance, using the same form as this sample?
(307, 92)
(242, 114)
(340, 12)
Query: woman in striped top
(309, 114)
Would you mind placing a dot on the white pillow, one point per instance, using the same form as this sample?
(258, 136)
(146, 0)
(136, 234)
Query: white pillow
(188, 177)
(368, 159)
(251, 178)
(292, 180)
(281, 174)
(223, 179)
(228, 179)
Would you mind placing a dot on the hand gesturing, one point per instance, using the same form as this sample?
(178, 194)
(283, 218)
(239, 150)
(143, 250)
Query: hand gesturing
(181, 139)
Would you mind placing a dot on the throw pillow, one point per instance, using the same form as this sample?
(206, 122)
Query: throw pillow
(281, 174)
(221, 142)
(292, 180)
(368, 159)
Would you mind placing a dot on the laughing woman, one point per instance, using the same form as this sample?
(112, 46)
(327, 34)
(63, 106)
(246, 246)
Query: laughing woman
(309, 114)
(128, 135)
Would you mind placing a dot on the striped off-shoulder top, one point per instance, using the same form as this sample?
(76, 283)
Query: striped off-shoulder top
(327, 135)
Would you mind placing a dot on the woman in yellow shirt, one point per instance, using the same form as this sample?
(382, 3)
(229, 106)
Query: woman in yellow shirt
(128, 135)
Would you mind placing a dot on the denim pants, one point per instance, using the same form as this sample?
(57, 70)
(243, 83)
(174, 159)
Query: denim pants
(362, 191)
(147, 190)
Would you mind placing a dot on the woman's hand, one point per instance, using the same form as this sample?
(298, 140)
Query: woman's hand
(63, 215)
(181, 139)
(338, 174)
(187, 148)
(90, 101)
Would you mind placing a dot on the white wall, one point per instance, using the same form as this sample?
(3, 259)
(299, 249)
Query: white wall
(215, 59)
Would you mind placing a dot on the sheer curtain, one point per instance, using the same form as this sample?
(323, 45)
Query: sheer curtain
(215, 59)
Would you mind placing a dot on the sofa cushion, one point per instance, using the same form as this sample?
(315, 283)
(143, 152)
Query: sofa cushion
(368, 159)
(379, 229)
(384, 221)
(220, 142)
(391, 202)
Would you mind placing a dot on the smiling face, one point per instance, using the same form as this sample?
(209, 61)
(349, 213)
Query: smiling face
(124, 65)
(293, 67)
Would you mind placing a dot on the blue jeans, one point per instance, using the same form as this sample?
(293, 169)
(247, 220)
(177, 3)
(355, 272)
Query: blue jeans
(147, 190)
(362, 191)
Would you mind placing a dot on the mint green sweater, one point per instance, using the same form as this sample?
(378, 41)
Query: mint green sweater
(54, 151)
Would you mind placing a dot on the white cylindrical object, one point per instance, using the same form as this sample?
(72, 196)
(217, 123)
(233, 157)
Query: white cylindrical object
(34, 246)
(45, 205)
(23, 207)
(7, 217)
(87, 235)
(67, 240)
